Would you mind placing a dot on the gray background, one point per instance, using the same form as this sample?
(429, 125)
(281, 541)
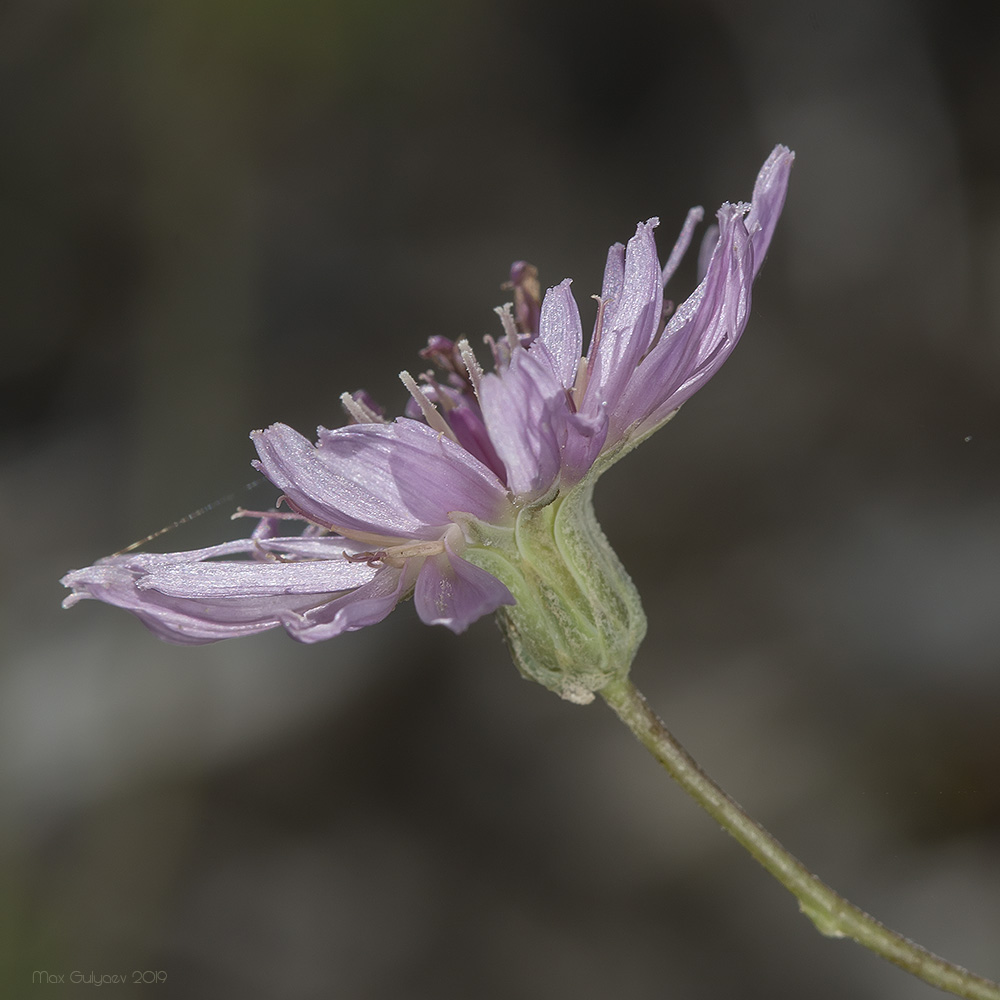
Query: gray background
(221, 214)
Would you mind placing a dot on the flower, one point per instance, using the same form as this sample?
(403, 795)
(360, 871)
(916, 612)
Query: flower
(387, 490)
(478, 499)
(641, 366)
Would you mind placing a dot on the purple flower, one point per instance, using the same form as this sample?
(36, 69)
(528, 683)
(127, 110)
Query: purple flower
(477, 471)
(386, 493)
(641, 365)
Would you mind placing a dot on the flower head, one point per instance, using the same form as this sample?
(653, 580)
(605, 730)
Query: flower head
(478, 498)
(643, 361)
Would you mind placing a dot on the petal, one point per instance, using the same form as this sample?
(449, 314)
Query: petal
(397, 480)
(454, 593)
(309, 547)
(432, 474)
(630, 319)
(294, 465)
(142, 560)
(461, 411)
(709, 241)
(700, 335)
(367, 605)
(525, 411)
(561, 333)
(768, 200)
(467, 423)
(614, 274)
(585, 438)
(186, 600)
(210, 581)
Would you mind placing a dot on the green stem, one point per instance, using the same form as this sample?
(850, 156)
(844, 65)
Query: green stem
(833, 915)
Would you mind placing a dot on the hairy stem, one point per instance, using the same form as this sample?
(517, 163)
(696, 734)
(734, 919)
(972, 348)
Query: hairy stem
(833, 915)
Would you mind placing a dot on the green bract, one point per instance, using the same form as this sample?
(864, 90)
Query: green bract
(578, 620)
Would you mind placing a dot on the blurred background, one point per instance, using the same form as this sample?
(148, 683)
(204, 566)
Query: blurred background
(219, 214)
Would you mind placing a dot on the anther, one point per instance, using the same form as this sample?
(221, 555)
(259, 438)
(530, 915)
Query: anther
(471, 364)
(427, 408)
(359, 411)
(509, 326)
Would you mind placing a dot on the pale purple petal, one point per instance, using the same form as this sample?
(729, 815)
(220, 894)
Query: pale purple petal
(145, 560)
(560, 332)
(431, 474)
(525, 412)
(367, 605)
(768, 200)
(614, 274)
(388, 480)
(699, 336)
(630, 320)
(186, 600)
(212, 580)
(454, 593)
(466, 421)
(585, 437)
(709, 241)
(461, 411)
(292, 462)
(309, 547)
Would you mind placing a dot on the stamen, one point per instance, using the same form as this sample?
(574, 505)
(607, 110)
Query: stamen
(580, 384)
(599, 325)
(396, 555)
(358, 411)
(312, 529)
(509, 327)
(277, 515)
(441, 351)
(471, 365)
(494, 350)
(427, 408)
(268, 556)
(527, 296)
(371, 559)
(441, 398)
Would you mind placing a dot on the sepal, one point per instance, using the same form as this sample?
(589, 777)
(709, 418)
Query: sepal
(578, 620)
